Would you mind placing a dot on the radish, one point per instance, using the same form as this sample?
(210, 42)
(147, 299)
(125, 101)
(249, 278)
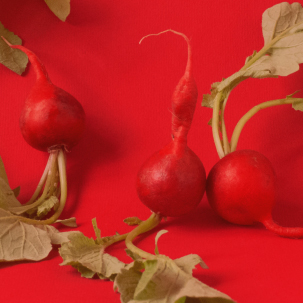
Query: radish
(241, 188)
(172, 181)
(52, 120)
(51, 117)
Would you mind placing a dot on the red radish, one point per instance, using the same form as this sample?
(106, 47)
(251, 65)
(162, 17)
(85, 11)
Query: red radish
(51, 117)
(52, 120)
(172, 181)
(241, 188)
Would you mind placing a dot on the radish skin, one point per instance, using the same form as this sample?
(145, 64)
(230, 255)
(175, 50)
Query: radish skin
(172, 181)
(51, 117)
(241, 188)
(51, 120)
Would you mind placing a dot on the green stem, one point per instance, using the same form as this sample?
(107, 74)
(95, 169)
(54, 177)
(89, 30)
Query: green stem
(226, 145)
(63, 196)
(115, 239)
(215, 124)
(226, 148)
(252, 112)
(143, 227)
(42, 181)
(51, 174)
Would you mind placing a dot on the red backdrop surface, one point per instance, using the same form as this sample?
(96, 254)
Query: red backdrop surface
(126, 90)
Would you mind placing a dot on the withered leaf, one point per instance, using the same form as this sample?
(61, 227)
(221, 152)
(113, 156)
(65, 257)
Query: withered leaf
(131, 221)
(7, 196)
(16, 191)
(282, 27)
(280, 17)
(2, 171)
(47, 205)
(283, 21)
(21, 241)
(57, 237)
(298, 106)
(89, 257)
(163, 281)
(208, 99)
(70, 222)
(61, 8)
(14, 59)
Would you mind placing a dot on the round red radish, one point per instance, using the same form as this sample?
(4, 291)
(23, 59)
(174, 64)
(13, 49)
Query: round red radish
(172, 181)
(51, 117)
(241, 188)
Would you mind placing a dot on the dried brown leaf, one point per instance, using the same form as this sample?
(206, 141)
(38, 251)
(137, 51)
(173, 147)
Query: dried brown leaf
(57, 237)
(16, 191)
(14, 59)
(164, 281)
(21, 241)
(47, 205)
(282, 27)
(132, 221)
(70, 222)
(280, 17)
(298, 106)
(2, 171)
(61, 8)
(7, 196)
(208, 99)
(89, 258)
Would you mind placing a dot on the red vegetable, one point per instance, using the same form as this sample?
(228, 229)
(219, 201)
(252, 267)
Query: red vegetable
(52, 120)
(51, 117)
(241, 189)
(172, 181)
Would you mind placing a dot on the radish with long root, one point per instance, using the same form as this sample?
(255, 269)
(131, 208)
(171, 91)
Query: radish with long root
(52, 121)
(172, 181)
(241, 186)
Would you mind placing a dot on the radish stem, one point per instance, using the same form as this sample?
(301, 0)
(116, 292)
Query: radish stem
(63, 196)
(143, 227)
(253, 111)
(51, 174)
(226, 144)
(215, 125)
(41, 182)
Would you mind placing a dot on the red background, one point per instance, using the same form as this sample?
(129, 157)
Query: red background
(126, 89)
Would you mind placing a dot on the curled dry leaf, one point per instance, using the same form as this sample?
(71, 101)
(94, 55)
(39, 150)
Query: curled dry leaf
(165, 280)
(279, 18)
(2, 171)
(131, 221)
(160, 279)
(70, 222)
(298, 106)
(281, 55)
(61, 8)
(20, 241)
(16, 191)
(88, 256)
(13, 59)
(208, 99)
(7, 196)
(47, 205)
